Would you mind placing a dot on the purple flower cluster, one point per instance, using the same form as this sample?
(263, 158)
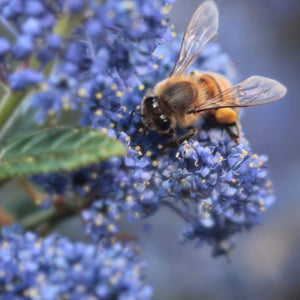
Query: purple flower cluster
(101, 59)
(224, 189)
(30, 23)
(218, 188)
(56, 268)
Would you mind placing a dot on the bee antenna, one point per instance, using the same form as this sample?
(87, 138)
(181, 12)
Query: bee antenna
(137, 113)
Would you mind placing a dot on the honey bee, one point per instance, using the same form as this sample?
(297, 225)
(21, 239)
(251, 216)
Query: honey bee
(182, 99)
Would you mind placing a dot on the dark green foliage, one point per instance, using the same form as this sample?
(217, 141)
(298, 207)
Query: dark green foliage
(56, 149)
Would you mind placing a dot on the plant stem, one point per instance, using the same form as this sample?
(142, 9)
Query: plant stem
(8, 106)
(51, 215)
(5, 217)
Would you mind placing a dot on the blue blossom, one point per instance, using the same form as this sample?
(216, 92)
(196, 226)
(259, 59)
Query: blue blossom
(19, 81)
(101, 220)
(56, 268)
(35, 8)
(54, 41)
(104, 68)
(228, 188)
(4, 46)
(31, 27)
(23, 47)
(216, 187)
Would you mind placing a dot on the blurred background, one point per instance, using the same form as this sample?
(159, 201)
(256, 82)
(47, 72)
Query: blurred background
(262, 37)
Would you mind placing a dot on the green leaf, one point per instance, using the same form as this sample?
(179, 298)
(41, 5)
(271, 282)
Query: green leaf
(60, 148)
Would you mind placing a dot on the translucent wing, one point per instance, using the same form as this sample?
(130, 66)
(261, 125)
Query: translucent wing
(254, 91)
(201, 28)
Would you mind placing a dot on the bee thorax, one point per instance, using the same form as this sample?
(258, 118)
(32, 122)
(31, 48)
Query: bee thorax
(178, 97)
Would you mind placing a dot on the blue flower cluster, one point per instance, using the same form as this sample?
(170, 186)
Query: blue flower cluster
(215, 186)
(56, 268)
(224, 188)
(218, 188)
(107, 63)
(101, 220)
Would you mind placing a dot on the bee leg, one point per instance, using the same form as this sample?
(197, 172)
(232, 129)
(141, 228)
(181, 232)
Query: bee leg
(170, 134)
(191, 132)
(145, 128)
(135, 112)
(233, 131)
(175, 143)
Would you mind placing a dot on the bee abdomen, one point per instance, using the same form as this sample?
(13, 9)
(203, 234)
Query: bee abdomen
(213, 83)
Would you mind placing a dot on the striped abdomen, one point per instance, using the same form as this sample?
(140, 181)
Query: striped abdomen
(213, 84)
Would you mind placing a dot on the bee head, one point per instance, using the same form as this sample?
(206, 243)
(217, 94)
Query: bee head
(154, 117)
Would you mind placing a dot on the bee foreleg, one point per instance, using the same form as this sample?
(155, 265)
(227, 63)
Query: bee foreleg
(175, 143)
(145, 128)
(191, 132)
(135, 112)
(169, 134)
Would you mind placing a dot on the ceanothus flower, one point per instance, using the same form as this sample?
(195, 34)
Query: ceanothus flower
(104, 67)
(217, 187)
(54, 267)
(100, 220)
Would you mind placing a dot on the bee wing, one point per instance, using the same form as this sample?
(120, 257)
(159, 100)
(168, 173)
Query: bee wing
(201, 28)
(254, 91)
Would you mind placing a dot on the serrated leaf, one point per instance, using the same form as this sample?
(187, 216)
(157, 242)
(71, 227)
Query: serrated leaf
(61, 148)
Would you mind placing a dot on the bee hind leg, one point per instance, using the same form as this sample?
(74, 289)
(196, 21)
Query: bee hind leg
(233, 131)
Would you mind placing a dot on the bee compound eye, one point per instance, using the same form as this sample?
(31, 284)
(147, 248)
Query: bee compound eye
(151, 105)
(149, 102)
(149, 99)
